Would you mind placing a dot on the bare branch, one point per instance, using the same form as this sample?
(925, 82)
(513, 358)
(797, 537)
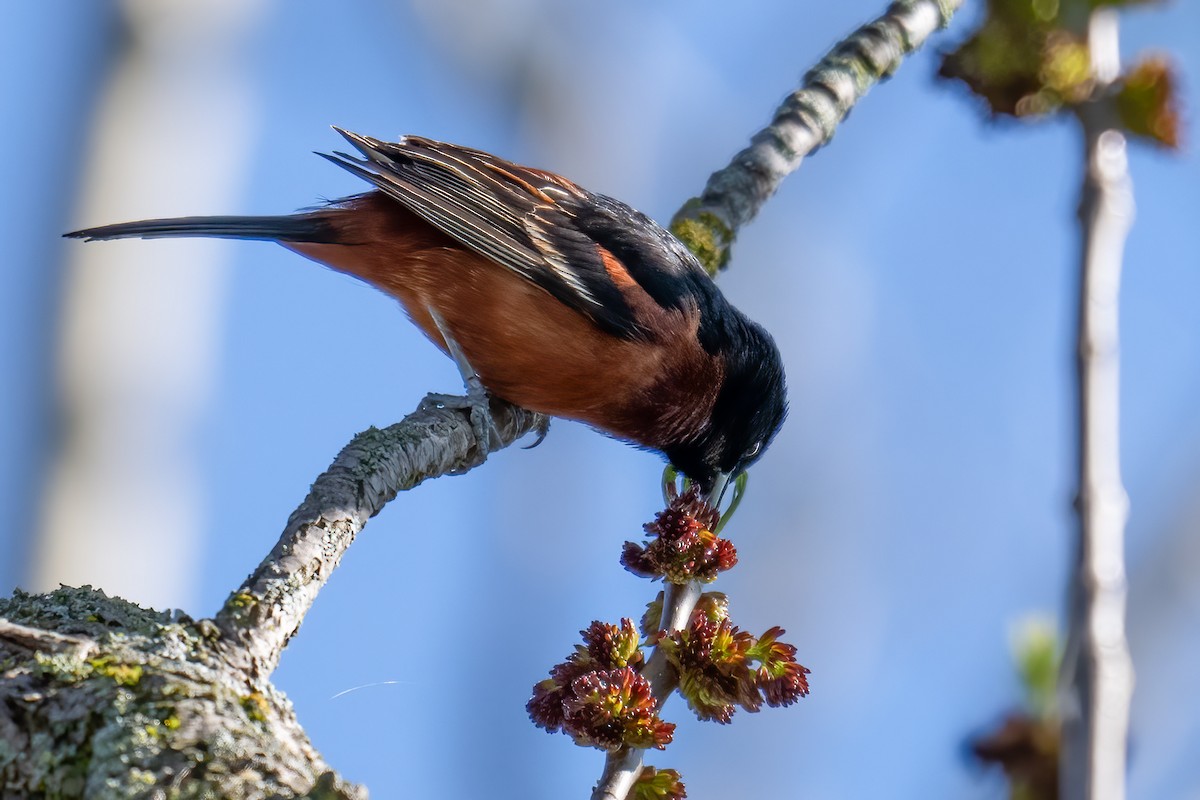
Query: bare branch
(259, 618)
(805, 121)
(1097, 672)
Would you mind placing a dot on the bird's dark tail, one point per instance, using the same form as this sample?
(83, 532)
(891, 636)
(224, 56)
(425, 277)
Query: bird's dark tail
(312, 227)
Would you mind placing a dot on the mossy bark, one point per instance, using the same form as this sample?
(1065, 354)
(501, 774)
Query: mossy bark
(102, 699)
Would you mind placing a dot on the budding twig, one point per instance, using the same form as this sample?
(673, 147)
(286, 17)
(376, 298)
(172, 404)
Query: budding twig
(622, 768)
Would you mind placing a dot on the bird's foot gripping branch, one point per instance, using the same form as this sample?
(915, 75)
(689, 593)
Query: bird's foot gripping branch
(608, 693)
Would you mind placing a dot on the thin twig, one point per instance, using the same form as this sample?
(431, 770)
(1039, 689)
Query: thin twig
(805, 121)
(1097, 672)
(258, 619)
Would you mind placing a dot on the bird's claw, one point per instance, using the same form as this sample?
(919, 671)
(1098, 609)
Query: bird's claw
(543, 428)
(477, 403)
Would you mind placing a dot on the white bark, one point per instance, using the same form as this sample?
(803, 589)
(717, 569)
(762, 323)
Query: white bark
(1097, 673)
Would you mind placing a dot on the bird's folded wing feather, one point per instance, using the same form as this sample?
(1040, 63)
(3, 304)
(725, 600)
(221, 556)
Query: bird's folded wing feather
(534, 223)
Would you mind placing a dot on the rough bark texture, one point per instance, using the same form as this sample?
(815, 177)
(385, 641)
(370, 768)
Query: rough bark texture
(102, 699)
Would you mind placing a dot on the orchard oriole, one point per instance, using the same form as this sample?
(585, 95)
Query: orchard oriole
(558, 299)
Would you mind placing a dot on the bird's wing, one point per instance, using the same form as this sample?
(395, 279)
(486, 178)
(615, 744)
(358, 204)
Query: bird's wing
(579, 247)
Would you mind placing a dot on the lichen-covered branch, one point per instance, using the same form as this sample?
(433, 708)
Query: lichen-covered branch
(1097, 673)
(102, 699)
(259, 618)
(805, 121)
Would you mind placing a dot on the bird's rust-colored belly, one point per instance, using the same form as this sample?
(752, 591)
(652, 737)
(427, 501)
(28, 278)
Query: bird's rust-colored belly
(527, 347)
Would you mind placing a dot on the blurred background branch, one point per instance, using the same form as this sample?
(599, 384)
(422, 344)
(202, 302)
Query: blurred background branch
(134, 378)
(1097, 671)
(1032, 60)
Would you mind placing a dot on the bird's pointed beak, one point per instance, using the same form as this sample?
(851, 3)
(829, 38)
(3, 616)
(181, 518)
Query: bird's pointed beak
(717, 492)
(716, 495)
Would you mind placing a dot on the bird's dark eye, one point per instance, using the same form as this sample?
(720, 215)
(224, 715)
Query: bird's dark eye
(753, 451)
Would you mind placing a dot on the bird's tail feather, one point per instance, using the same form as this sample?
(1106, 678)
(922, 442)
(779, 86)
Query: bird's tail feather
(289, 228)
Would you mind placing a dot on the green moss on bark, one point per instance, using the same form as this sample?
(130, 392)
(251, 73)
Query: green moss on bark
(117, 701)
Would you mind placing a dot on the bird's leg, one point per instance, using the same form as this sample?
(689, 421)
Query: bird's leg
(476, 400)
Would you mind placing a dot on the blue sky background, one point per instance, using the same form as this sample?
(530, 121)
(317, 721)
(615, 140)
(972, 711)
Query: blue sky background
(918, 274)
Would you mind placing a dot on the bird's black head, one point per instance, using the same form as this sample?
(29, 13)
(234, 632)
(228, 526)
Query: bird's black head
(750, 406)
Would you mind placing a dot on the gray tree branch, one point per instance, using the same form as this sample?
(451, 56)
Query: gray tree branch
(259, 618)
(805, 121)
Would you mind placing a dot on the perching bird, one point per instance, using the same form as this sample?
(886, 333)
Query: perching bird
(560, 300)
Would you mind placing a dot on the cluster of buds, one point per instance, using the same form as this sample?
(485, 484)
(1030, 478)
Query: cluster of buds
(721, 667)
(598, 697)
(684, 545)
(658, 784)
